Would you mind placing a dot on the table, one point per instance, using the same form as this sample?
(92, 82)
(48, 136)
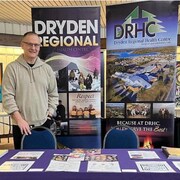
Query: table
(125, 163)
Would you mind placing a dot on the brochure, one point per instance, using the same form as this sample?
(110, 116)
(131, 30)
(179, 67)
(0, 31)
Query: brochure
(76, 157)
(15, 166)
(60, 162)
(177, 164)
(103, 163)
(69, 157)
(102, 157)
(143, 155)
(154, 166)
(28, 155)
(65, 166)
(87, 151)
(3, 152)
(94, 166)
(60, 157)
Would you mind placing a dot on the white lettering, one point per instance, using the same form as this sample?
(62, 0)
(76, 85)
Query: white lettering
(71, 26)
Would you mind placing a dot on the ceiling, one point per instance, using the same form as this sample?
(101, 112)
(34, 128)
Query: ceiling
(19, 11)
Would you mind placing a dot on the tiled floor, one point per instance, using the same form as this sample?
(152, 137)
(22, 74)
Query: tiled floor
(4, 144)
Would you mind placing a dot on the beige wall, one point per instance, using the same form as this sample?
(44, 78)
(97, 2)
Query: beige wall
(9, 54)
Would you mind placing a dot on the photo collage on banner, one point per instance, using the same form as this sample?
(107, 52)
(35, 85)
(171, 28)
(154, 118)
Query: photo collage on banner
(70, 39)
(141, 69)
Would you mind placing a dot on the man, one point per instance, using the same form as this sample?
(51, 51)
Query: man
(60, 112)
(29, 89)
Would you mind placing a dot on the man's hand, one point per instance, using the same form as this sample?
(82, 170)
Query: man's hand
(23, 125)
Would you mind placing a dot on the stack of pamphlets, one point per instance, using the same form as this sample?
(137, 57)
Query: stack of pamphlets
(171, 152)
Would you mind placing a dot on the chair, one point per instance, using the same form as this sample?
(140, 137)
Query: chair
(121, 137)
(40, 138)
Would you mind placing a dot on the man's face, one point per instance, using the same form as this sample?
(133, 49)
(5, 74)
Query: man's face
(31, 46)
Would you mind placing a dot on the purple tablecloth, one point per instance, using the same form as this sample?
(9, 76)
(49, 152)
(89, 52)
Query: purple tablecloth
(123, 157)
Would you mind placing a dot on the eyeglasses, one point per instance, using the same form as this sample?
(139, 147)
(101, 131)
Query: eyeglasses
(31, 44)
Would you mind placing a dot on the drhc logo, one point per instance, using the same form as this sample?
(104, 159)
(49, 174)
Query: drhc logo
(147, 25)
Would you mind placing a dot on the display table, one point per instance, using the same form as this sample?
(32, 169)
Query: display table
(124, 161)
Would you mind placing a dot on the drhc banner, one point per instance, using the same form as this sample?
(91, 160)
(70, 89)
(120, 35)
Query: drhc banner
(70, 44)
(141, 64)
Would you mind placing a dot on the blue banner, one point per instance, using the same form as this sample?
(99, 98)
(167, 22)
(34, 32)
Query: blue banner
(141, 69)
(70, 43)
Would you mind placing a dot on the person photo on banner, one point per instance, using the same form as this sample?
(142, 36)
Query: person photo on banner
(29, 90)
(74, 112)
(81, 81)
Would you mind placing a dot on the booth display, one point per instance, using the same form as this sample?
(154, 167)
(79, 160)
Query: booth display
(141, 69)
